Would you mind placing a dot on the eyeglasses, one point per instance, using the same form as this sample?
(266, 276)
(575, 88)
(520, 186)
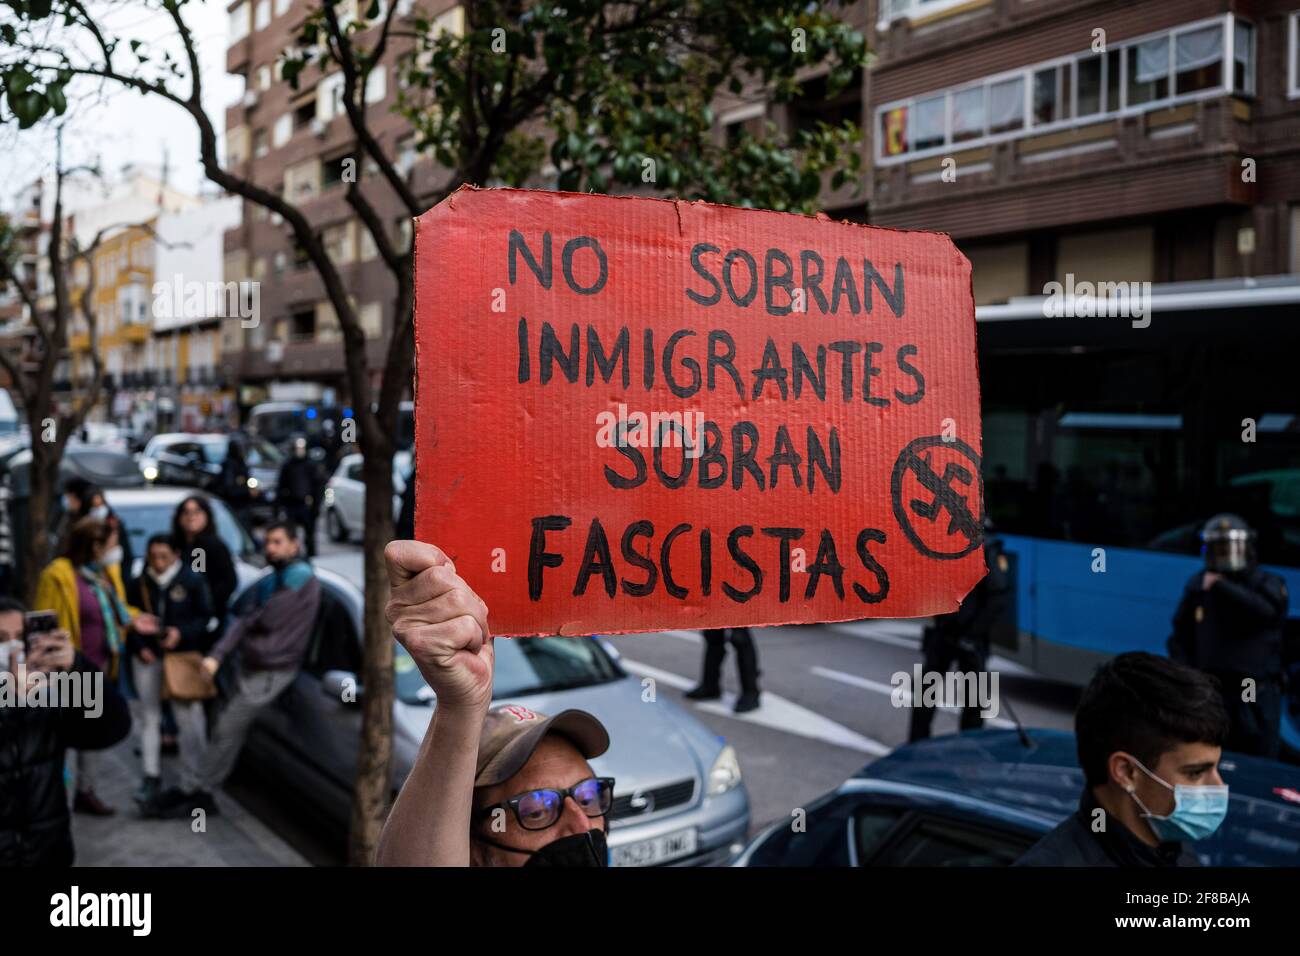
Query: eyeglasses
(539, 809)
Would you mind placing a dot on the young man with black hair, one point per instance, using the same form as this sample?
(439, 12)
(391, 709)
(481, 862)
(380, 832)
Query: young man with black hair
(1150, 732)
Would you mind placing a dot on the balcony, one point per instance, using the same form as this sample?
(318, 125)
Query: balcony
(239, 54)
(1175, 158)
(1156, 123)
(136, 332)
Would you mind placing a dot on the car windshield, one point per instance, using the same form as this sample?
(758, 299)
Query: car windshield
(524, 665)
(144, 519)
(260, 453)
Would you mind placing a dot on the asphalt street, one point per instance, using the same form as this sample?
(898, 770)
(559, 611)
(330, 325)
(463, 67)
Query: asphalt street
(826, 705)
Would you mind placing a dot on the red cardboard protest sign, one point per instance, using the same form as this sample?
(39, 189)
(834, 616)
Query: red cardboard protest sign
(640, 414)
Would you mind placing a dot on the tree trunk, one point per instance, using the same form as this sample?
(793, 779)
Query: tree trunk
(43, 477)
(372, 795)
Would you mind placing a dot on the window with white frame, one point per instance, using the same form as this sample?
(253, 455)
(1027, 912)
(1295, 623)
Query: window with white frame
(376, 85)
(891, 10)
(1007, 105)
(1243, 58)
(239, 22)
(282, 132)
(262, 15)
(329, 97)
(1144, 73)
(1293, 55)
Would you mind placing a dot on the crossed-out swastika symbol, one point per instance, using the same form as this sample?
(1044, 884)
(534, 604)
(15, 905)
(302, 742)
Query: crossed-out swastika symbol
(946, 495)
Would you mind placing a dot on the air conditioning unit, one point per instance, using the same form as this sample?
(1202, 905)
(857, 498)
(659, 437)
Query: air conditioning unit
(275, 352)
(250, 99)
(319, 126)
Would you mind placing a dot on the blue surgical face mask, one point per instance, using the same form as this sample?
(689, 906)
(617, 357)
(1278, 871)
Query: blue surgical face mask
(1197, 813)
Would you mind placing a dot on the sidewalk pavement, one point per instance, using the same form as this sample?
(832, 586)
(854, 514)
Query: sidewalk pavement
(232, 838)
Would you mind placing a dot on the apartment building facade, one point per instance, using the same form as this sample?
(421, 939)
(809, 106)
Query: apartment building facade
(293, 142)
(156, 305)
(1106, 140)
(296, 142)
(28, 230)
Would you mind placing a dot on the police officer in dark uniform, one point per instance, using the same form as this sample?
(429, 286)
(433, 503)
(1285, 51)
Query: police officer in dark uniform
(299, 492)
(960, 641)
(715, 649)
(1229, 624)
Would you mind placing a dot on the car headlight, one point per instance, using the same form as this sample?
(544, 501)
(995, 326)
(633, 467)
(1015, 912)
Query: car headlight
(724, 775)
(150, 473)
(252, 482)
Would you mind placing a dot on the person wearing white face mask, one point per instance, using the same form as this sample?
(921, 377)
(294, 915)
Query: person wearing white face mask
(86, 594)
(167, 664)
(94, 505)
(1150, 733)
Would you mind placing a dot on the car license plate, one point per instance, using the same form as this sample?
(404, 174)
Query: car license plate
(670, 846)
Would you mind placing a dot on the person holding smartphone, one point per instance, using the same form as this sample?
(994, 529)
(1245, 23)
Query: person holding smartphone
(35, 826)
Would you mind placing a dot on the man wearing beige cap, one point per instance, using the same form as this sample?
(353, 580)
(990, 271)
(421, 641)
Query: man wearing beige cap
(505, 786)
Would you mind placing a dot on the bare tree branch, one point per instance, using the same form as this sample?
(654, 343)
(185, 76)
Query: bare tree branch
(346, 57)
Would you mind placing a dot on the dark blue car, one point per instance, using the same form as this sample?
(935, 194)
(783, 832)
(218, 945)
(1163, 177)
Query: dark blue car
(983, 798)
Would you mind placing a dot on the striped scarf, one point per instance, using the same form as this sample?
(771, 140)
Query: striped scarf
(116, 618)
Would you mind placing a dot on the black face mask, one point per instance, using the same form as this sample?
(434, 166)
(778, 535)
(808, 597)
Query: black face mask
(580, 849)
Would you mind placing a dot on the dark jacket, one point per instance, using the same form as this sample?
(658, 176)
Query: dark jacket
(1234, 628)
(35, 829)
(975, 618)
(299, 483)
(1075, 843)
(233, 483)
(185, 604)
(273, 633)
(219, 569)
(405, 529)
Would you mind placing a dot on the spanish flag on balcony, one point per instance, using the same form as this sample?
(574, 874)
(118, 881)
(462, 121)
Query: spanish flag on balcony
(895, 131)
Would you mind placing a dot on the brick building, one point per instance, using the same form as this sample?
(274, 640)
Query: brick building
(294, 142)
(1146, 142)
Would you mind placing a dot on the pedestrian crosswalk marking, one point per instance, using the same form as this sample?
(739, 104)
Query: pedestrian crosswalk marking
(776, 713)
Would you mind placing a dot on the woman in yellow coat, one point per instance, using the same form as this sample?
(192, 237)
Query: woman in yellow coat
(83, 587)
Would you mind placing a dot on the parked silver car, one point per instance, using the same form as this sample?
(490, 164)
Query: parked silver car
(181, 458)
(345, 495)
(148, 511)
(679, 798)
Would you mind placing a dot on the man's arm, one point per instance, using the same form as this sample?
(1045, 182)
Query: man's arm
(430, 820)
(196, 626)
(89, 728)
(1181, 641)
(234, 634)
(443, 626)
(1265, 605)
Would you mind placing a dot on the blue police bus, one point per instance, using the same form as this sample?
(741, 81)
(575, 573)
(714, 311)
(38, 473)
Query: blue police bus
(1107, 445)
